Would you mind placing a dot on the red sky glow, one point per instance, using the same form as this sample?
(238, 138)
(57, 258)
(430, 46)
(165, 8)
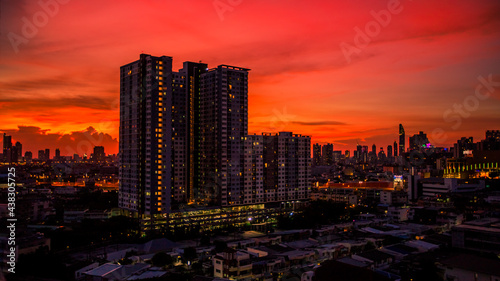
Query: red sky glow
(59, 86)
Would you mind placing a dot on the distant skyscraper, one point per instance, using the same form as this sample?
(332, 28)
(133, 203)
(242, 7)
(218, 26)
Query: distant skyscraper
(58, 154)
(327, 154)
(389, 151)
(374, 149)
(491, 142)
(395, 149)
(381, 154)
(462, 145)
(7, 148)
(402, 142)
(28, 156)
(99, 154)
(47, 154)
(41, 155)
(359, 152)
(317, 159)
(347, 154)
(19, 150)
(418, 141)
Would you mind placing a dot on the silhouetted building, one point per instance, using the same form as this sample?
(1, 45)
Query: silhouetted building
(462, 145)
(317, 159)
(389, 151)
(28, 156)
(402, 141)
(41, 155)
(491, 142)
(419, 141)
(99, 154)
(7, 148)
(381, 154)
(47, 154)
(395, 149)
(327, 154)
(19, 151)
(58, 154)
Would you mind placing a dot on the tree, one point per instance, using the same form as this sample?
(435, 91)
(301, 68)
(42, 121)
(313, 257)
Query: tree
(162, 259)
(190, 254)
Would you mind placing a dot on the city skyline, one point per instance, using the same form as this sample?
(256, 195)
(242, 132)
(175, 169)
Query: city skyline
(303, 76)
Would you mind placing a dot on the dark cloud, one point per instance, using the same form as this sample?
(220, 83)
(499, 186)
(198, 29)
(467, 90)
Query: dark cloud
(39, 103)
(35, 138)
(319, 123)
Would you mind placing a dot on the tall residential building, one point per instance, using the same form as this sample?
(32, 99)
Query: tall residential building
(395, 149)
(327, 154)
(187, 111)
(7, 148)
(224, 128)
(402, 141)
(47, 154)
(146, 135)
(317, 159)
(286, 166)
(57, 155)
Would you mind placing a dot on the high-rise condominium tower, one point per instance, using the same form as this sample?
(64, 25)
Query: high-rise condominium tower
(184, 141)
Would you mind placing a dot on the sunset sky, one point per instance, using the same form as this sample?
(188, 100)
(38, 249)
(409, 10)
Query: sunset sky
(59, 65)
